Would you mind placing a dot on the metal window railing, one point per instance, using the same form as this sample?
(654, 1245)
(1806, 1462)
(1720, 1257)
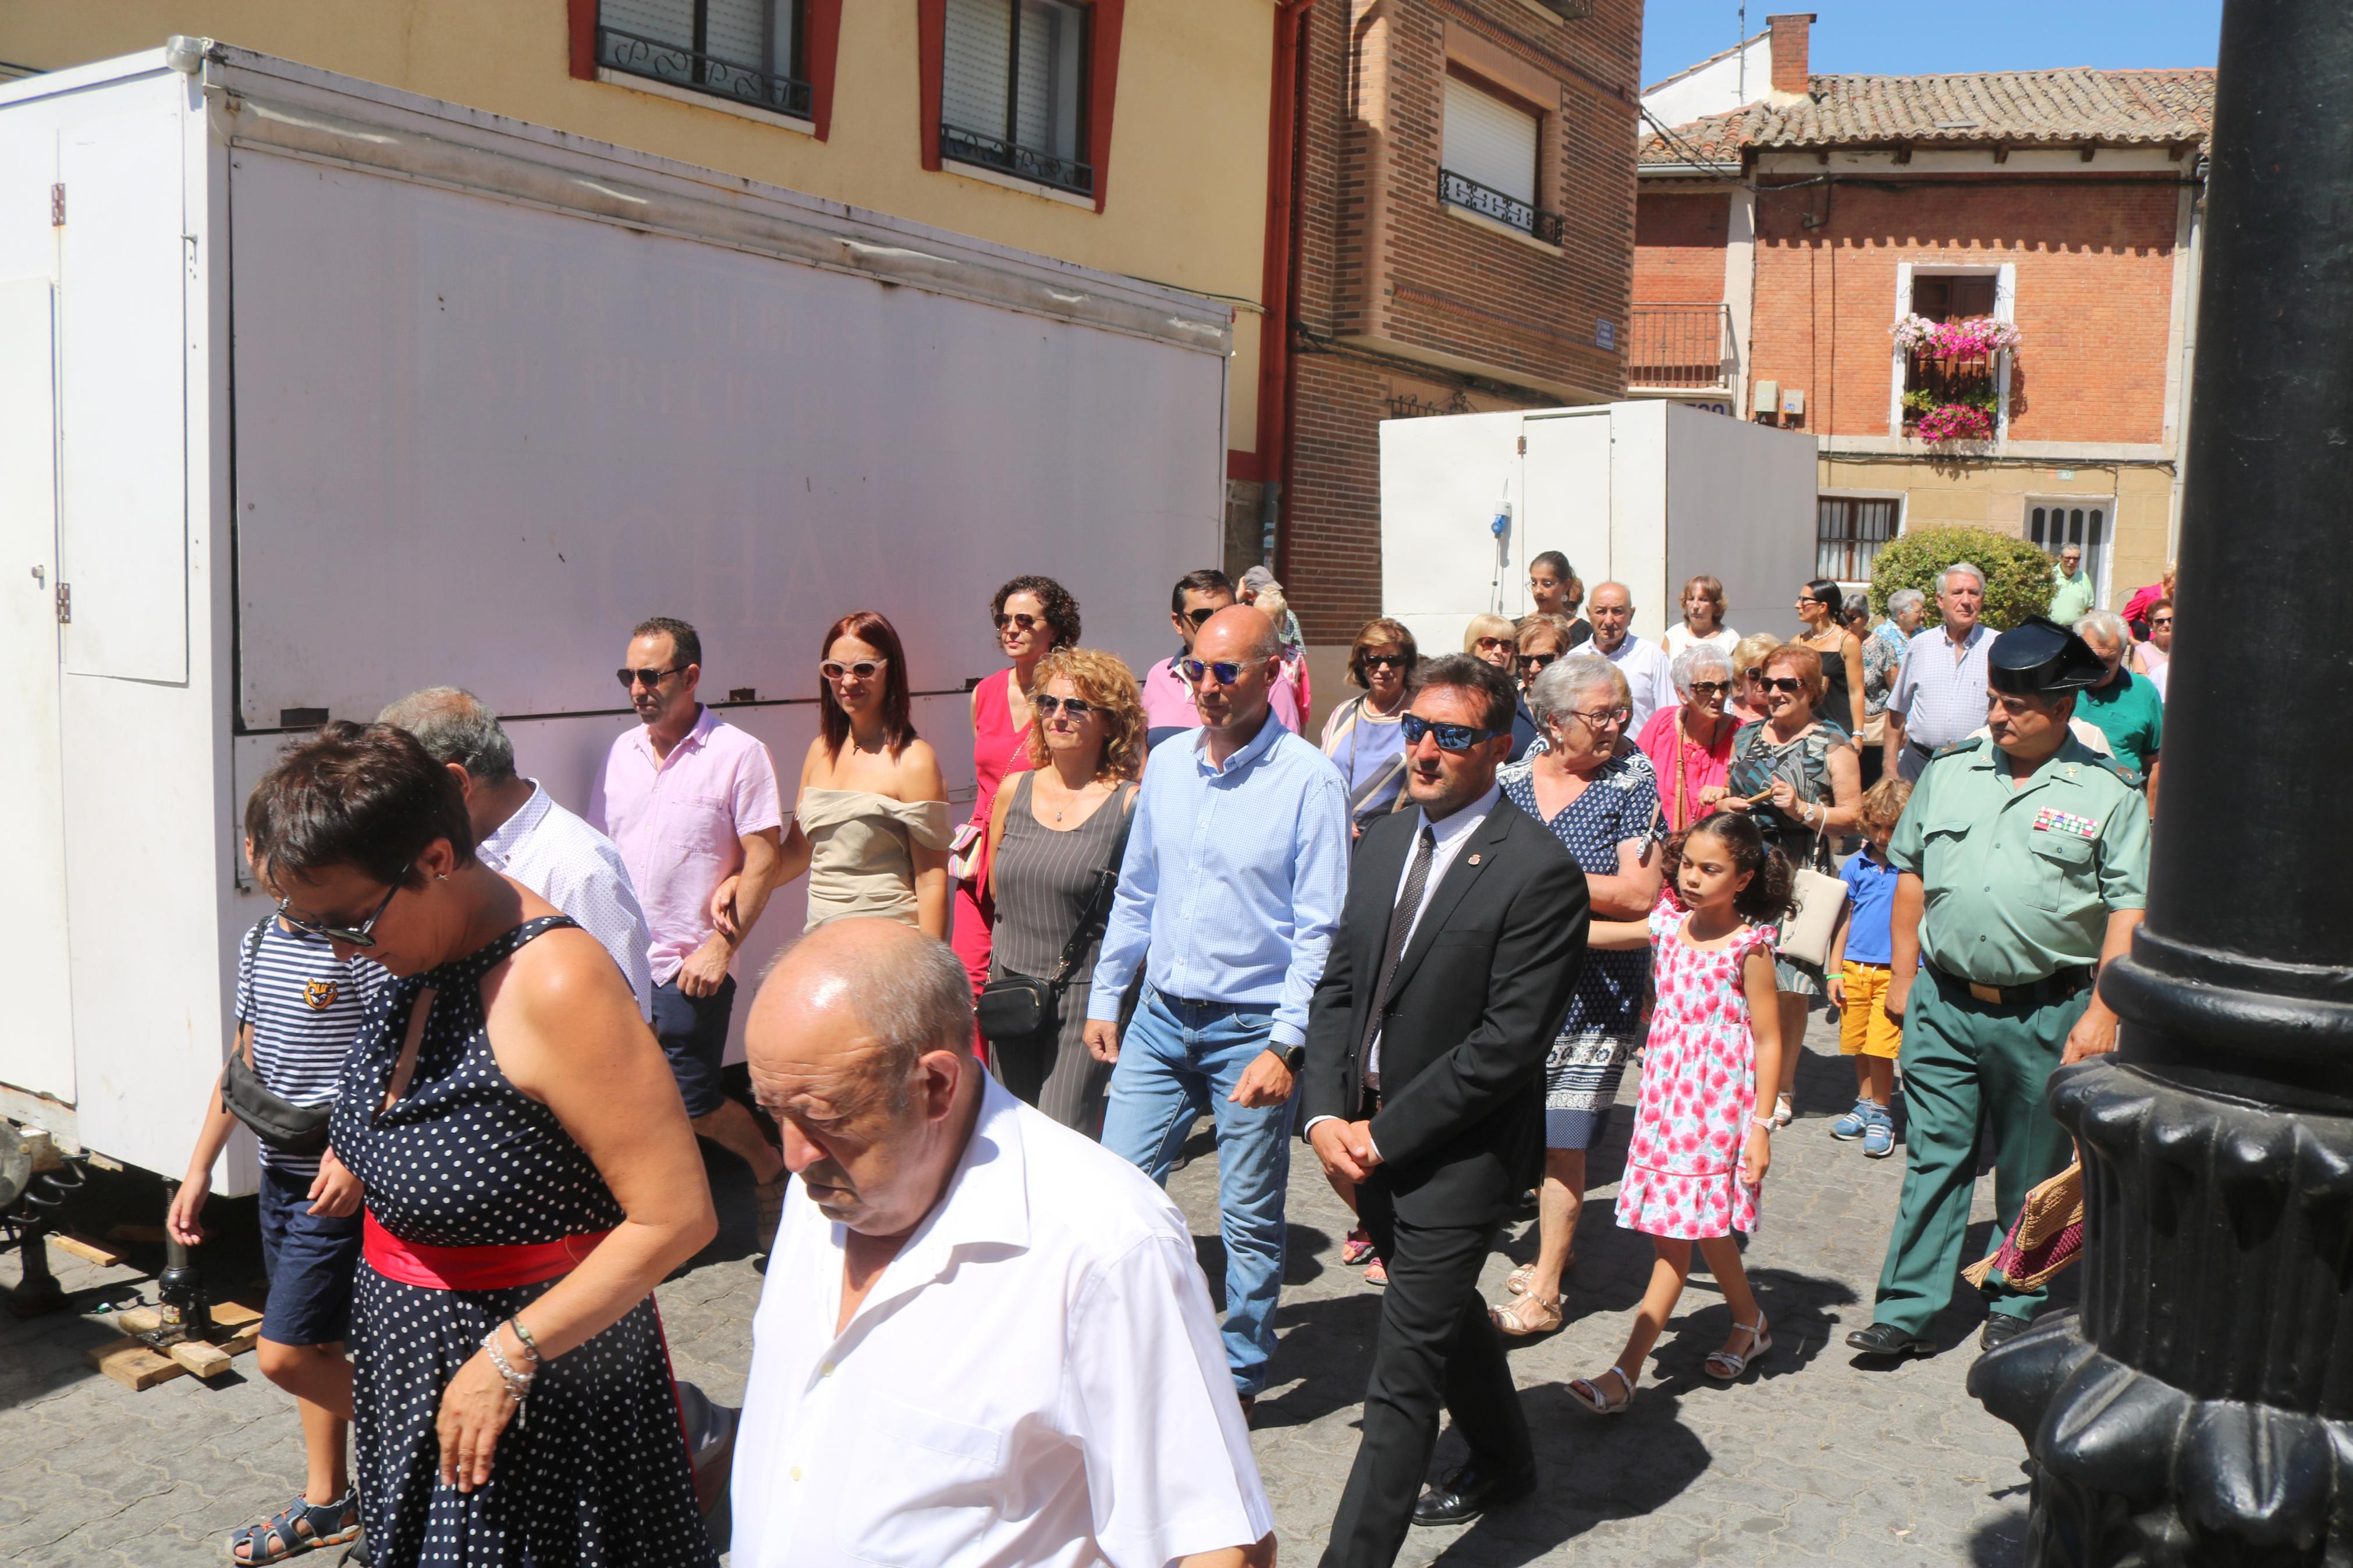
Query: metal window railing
(1680, 346)
(1010, 158)
(634, 55)
(1463, 190)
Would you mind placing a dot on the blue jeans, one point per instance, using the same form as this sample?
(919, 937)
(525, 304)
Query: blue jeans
(1177, 1060)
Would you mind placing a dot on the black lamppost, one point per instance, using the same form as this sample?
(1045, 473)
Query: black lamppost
(2200, 1410)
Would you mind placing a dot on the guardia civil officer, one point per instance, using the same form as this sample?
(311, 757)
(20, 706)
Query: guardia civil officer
(2024, 863)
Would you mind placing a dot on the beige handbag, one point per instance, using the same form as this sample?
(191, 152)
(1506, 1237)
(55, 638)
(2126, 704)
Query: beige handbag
(1818, 898)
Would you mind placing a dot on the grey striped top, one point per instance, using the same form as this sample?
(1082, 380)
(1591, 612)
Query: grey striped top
(1043, 877)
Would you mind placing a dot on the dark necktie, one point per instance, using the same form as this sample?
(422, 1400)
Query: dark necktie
(1408, 904)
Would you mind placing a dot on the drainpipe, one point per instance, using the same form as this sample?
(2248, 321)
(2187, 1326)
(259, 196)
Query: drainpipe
(1277, 374)
(2199, 1409)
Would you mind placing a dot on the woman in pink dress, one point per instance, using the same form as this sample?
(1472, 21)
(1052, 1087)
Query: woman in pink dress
(1034, 616)
(1700, 1151)
(1690, 742)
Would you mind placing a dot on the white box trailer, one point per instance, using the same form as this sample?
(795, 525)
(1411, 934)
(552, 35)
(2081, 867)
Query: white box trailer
(313, 392)
(1648, 493)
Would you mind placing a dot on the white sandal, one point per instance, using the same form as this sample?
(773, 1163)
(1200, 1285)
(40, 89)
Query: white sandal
(1726, 1366)
(1593, 1399)
(1784, 1111)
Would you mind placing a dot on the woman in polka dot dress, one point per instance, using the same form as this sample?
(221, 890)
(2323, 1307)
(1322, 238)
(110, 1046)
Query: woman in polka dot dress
(1700, 1151)
(528, 1175)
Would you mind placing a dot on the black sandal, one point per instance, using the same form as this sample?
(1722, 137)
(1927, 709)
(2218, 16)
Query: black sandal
(328, 1524)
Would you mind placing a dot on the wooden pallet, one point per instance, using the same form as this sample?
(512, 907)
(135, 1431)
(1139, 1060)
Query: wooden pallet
(137, 1367)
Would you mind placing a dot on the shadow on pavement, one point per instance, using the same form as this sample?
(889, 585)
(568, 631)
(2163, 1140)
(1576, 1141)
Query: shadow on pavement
(1999, 1542)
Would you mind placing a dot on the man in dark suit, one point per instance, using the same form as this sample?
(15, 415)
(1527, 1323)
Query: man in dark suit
(1458, 949)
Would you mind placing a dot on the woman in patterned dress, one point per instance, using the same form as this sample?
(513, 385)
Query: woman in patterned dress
(528, 1175)
(1700, 1151)
(1810, 784)
(1601, 800)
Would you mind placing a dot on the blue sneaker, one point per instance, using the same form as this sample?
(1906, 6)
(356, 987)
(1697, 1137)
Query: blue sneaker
(1855, 1123)
(1879, 1138)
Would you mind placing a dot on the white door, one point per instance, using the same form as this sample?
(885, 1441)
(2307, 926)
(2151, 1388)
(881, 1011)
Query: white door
(2059, 520)
(37, 1045)
(1565, 478)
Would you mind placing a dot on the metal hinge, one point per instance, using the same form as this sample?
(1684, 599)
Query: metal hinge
(1523, 446)
(57, 206)
(65, 603)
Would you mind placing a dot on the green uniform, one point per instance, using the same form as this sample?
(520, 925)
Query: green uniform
(2019, 883)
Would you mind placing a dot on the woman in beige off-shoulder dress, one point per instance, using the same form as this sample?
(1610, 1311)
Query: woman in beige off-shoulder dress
(871, 826)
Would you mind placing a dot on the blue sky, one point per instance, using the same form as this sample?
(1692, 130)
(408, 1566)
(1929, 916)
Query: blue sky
(1912, 37)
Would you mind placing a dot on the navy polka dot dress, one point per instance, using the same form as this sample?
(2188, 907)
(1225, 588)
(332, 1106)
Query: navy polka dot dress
(600, 1475)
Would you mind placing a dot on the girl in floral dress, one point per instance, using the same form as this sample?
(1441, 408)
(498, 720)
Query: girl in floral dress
(1700, 1150)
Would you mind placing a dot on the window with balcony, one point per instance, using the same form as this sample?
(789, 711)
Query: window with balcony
(747, 51)
(1013, 90)
(1953, 346)
(1489, 160)
(1848, 532)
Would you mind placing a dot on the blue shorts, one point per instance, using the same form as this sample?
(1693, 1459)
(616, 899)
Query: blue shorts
(694, 1035)
(310, 1259)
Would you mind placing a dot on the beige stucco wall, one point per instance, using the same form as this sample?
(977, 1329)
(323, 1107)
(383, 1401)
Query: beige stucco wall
(1985, 495)
(1186, 181)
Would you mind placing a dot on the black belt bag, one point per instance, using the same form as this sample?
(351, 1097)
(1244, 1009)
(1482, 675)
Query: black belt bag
(2055, 987)
(278, 1122)
(1014, 1006)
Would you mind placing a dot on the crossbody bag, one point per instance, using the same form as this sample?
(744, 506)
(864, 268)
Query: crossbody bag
(277, 1120)
(1015, 1006)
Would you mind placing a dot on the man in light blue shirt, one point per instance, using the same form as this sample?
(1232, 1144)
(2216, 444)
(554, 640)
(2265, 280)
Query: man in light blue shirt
(1938, 696)
(1236, 866)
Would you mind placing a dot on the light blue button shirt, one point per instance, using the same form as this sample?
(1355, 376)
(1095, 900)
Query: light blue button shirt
(1233, 880)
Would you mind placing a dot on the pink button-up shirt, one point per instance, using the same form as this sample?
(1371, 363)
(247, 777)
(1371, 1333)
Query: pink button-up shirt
(1168, 698)
(678, 824)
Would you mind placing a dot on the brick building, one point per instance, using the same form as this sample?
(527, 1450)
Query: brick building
(1465, 201)
(1780, 242)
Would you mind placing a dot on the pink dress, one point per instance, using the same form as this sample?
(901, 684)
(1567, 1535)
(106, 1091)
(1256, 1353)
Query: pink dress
(1699, 1091)
(998, 749)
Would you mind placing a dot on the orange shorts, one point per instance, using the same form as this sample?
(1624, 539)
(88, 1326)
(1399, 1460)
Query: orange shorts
(1864, 1028)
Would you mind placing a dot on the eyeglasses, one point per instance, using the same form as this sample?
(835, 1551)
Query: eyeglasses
(865, 669)
(1200, 617)
(649, 679)
(1494, 645)
(1536, 661)
(1077, 708)
(1023, 618)
(1789, 683)
(1451, 737)
(1709, 687)
(349, 936)
(1384, 661)
(1226, 671)
(1602, 717)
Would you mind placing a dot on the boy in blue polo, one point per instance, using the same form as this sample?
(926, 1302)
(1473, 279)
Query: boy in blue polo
(298, 1009)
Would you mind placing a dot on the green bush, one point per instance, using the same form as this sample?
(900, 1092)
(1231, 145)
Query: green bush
(2017, 575)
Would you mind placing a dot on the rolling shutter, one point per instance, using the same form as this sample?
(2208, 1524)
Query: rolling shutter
(1490, 142)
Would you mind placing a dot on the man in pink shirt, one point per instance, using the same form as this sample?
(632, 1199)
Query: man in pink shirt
(1167, 695)
(690, 802)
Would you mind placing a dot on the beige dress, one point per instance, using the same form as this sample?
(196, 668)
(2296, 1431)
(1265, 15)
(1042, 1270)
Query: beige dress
(861, 854)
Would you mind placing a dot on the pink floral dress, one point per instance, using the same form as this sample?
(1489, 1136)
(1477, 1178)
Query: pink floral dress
(1699, 1091)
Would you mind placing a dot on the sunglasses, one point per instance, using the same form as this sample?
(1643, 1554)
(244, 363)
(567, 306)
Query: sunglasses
(1709, 687)
(1200, 617)
(1226, 671)
(1451, 737)
(649, 679)
(2160, 620)
(1754, 672)
(1024, 619)
(1076, 708)
(1491, 644)
(1789, 683)
(349, 936)
(1536, 661)
(865, 669)
(1384, 661)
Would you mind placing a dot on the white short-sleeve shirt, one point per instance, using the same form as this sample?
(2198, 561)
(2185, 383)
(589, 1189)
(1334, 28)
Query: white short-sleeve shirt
(1036, 1379)
(577, 869)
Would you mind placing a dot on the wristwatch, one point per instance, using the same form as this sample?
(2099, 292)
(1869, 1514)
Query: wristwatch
(1294, 1057)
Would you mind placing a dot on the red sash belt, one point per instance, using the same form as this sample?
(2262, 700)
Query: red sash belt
(471, 1267)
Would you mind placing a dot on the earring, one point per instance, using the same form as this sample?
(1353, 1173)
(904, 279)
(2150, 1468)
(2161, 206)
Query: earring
(440, 876)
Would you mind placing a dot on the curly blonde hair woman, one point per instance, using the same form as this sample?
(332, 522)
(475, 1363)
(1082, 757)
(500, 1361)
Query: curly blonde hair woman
(1054, 833)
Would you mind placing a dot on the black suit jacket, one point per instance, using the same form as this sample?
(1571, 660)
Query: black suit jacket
(1479, 995)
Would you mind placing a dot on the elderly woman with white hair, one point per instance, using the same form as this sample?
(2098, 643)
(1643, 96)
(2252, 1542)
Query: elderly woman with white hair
(1689, 744)
(1601, 800)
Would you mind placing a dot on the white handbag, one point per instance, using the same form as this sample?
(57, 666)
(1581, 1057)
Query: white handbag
(1813, 917)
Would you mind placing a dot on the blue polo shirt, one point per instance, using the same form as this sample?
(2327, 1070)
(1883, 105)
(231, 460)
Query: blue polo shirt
(1871, 909)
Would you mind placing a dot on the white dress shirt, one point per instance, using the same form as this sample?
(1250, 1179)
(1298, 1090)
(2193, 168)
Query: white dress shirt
(1649, 676)
(1448, 835)
(1036, 1379)
(576, 869)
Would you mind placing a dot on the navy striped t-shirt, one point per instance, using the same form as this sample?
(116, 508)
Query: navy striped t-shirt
(306, 1007)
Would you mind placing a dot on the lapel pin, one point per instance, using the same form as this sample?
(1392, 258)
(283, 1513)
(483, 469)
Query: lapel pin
(1474, 859)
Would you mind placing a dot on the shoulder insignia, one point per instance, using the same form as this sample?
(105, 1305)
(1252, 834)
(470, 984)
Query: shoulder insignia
(2129, 775)
(1957, 749)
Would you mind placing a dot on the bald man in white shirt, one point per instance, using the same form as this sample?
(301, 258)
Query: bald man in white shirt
(983, 1340)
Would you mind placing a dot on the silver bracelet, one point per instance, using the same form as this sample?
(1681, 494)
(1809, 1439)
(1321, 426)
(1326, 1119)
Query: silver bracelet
(518, 1384)
(529, 1341)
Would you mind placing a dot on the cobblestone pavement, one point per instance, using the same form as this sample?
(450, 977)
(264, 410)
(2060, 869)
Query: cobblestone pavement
(1814, 1459)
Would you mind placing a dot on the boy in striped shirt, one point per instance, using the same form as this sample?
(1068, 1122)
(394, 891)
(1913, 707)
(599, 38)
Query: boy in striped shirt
(298, 1009)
